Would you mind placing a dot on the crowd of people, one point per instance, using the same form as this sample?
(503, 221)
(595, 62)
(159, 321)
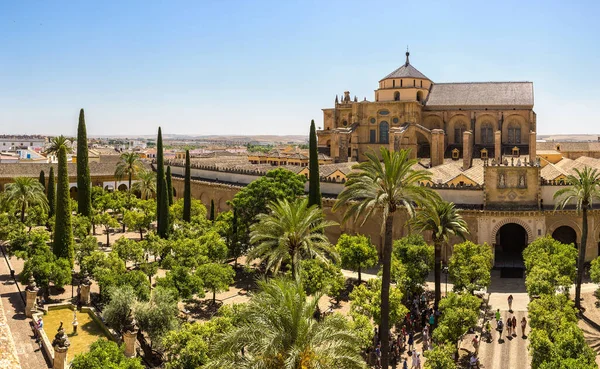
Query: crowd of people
(402, 348)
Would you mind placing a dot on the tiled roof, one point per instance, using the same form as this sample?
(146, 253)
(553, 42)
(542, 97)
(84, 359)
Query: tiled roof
(481, 94)
(11, 170)
(568, 146)
(551, 172)
(406, 71)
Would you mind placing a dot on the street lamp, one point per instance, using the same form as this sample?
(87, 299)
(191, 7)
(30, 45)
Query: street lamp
(445, 271)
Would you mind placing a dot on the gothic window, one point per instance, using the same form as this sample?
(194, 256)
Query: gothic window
(459, 129)
(396, 96)
(393, 83)
(514, 133)
(384, 132)
(400, 83)
(487, 136)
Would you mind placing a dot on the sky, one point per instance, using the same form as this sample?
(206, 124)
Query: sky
(269, 67)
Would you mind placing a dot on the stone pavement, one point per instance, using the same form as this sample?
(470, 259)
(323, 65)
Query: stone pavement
(27, 350)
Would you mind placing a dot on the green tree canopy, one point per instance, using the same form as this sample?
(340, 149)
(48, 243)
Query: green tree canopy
(459, 313)
(104, 354)
(120, 307)
(366, 300)
(277, 330)
(550, 265)
(216, 277)
(84, 182)
(159, 315)
(24, 192)
(416, 258)
(277, 184)
(356, 252)
(470, 266)
(289, 233)
(318, 276)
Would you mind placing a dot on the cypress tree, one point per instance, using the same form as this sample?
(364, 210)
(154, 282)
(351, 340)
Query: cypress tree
(212, 210)
(43, 179)
(187, 189)
(234, 237)
(63, 232)
(51, 194)
(163, 220)
(160, 176)
(314, 185)
(84, 191)
(169, 186)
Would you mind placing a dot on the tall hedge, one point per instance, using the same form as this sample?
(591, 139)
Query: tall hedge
(169, 186)
(51, 194)
(163, 218)
(84, 190)
(63, 232)
(160, 177)
(187, 189)
(212, 209)
(43, 179)
(314, 185)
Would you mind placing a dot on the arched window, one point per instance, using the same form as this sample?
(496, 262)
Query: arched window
(459, 129)
(514, 133)
(487, 136)
(419, 95)
(384, 132)
(396, 96)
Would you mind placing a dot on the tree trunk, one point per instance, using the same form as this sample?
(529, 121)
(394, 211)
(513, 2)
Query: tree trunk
(581, 261)
(107, 237)
(359, 276)
(385, 290)
(23, 207)
(438, 272)
(214, 297)
(141, 235)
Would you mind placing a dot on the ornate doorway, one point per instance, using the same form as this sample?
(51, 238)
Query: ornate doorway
(511, 240)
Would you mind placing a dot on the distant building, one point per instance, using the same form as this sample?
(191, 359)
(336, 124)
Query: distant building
(21, 142)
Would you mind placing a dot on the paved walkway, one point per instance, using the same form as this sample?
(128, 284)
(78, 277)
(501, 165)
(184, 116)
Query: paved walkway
(27, 349)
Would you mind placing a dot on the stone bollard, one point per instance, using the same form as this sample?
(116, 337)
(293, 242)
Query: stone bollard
(129, 339)
(60, 358)
(61, 347)
(30, 297)
(84, 296)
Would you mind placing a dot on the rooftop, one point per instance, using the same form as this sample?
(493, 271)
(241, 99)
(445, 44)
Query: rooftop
(481, 94)
(406, 71)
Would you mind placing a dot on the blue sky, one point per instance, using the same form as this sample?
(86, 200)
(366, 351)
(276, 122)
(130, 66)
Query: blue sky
(269, 67)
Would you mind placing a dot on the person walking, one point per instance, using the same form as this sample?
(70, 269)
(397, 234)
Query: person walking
(500, 329)
(416, 364)
(405, 364)
(411, 340)
(514, 326)
(523, 326)
(498, 316)
(509, 326)
(510, 301)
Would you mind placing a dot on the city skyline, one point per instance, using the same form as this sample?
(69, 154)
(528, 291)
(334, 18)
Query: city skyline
(269, 68)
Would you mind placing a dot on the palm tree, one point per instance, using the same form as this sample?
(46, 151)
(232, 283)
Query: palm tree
(288, 233)
(384, 187)
(442, 219)
(583, 188)
(25, 192)
(129, 165)
(146, 184)
(279, 332)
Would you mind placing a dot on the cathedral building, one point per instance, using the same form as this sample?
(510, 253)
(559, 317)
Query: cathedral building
(435, 120)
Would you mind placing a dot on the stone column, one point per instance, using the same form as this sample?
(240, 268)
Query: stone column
(467, 149)
(84, 296)
(129, 339)
(532, 146)
(30, 297)
(437, 147)
(498, 146)
(61, 347)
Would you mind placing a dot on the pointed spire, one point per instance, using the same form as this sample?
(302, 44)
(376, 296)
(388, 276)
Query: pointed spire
(336, 99)
(407, 54)
(355, 99)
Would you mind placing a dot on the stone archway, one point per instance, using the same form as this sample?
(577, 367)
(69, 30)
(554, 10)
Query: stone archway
(565, 234)
(511, 236)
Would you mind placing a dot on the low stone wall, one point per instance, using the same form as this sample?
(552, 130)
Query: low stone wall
(47, 341)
